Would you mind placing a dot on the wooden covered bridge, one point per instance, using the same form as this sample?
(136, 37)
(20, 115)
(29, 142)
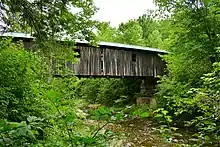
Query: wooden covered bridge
(111, 59)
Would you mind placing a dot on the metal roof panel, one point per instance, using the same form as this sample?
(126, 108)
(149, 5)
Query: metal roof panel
(15, 34)
(110, 44)
(131, 47)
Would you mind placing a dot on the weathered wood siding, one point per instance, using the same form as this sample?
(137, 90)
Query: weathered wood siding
(117, 62)
(113, 61)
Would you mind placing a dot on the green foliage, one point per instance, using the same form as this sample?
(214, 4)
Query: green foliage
(102, 113)
(20, 134)
(207, 101)
(144, 31)
(40, 110)
(141, 111)
(188, 92)
(107, 33)
(131, 33)
(162, 115)
(107, 91)
(35, 112)
(49, 19)
(154, 32)
(19, 73)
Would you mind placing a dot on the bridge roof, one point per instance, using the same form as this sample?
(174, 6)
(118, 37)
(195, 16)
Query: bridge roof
(109, 44)
(128, 46)
(16, 35)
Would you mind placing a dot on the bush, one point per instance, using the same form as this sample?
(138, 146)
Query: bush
(19, 74)
(107, 91)
(198, 107)
(37, 109)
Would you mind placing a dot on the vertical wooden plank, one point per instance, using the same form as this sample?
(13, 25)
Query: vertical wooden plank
(96, 61)
(140, 65)
(109, 62)
(82, 60)
(93, 61)
(147, 56)
(83, 64)
(123, 61)
(113, 62)
(98, 58)
(105, 61)
(156, 62)
(91, 64)
(133, 63)
(111, 56)
(86, 69)
(116, 62)
(155, 66)
(88, 73)
(130, 63)
(126, 62)
(145, 64)
(88, 61)
(148, 65)
(101, 58)
(120, 63)
(152, 65)
(137, 64)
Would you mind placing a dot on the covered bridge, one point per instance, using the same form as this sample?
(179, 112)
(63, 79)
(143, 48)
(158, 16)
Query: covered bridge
(111, 59)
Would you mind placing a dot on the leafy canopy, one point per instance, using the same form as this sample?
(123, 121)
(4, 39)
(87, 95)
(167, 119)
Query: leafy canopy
(49, 18)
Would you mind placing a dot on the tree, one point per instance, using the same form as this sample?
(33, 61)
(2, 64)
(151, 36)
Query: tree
(154, 39)
(106, 32)
(188, 89)
(147, 23)
(130, 33)
(49, 19)
(194, 39)
(28, 91)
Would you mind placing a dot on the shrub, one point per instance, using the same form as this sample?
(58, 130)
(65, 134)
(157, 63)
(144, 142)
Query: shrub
(107, 91)
(19, 74)
(198, 107)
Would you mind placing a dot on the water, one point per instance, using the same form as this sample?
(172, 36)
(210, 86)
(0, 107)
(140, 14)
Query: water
(140, 133)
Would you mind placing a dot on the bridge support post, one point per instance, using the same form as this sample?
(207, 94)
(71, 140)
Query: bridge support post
(143, 86)
(147, 86)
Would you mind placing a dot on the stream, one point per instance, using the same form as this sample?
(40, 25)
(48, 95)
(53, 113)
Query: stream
(138, 133)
